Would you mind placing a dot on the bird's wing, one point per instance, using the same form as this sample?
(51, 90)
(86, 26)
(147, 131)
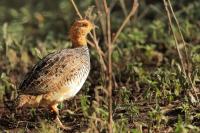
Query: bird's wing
(46, 75)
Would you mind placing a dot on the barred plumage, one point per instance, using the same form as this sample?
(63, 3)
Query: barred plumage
(62, 68)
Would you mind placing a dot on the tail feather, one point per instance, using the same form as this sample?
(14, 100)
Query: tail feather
(13, 101)
(22, 101)
(28, 101)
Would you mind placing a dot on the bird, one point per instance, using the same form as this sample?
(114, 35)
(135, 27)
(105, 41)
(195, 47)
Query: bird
(58, 76)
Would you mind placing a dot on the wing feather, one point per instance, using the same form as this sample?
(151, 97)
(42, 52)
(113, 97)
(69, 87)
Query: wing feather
(46, 75)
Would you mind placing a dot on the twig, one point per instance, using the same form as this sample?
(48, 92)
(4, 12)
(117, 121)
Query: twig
(77, 11)
(102, 20)
(132, 12)
(99, 51)
(109, 45)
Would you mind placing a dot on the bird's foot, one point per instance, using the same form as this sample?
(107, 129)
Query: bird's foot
(59, 123)
(54, 110)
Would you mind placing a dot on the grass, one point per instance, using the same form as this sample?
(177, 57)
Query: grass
(149, 93)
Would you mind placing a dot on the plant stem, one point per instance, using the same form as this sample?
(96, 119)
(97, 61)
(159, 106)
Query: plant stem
(109, 45)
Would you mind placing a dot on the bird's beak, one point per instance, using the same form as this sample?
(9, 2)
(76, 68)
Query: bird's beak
(94, 26)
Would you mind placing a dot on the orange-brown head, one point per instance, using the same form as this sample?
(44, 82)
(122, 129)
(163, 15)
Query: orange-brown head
(79, 31)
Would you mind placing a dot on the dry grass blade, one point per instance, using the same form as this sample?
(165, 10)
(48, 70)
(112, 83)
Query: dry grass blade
(185, 50)
(183, 62)
(179, 29)
(174, 36)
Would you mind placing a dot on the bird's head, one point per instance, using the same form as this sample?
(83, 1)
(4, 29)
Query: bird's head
(79, 31)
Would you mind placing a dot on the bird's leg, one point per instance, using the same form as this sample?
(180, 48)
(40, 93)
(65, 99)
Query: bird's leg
(54, 109)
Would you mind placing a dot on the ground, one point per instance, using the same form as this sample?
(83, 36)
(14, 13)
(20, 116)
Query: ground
(150, 91)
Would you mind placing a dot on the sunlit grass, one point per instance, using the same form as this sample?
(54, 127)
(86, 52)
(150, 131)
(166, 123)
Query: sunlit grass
(149, 89)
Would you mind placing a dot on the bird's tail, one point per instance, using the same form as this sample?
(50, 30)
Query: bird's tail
(13, 100)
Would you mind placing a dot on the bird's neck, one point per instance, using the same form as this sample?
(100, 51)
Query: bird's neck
(79, 40)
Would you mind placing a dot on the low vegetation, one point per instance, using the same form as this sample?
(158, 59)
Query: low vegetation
(150, 90)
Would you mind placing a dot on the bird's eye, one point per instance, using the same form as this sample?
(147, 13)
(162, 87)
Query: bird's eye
(84, 24)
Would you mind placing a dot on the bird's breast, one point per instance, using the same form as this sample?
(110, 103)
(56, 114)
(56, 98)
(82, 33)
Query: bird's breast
(76, 81)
